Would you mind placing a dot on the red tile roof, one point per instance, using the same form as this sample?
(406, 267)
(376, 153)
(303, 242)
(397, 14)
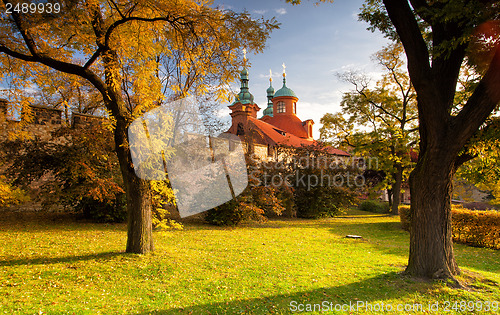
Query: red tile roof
(289, 123)
(282, 137)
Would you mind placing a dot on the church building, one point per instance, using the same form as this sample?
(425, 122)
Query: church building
(279, 124)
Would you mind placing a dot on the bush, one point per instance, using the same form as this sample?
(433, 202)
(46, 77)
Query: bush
(256, 203)
(10, 195)
(105, 211)
(322, 202)
(404, 216)
(69, 173)
(475, 228)
(162, 199)
(374, 206)
(233, 212)
(478, 206)
(322, 186)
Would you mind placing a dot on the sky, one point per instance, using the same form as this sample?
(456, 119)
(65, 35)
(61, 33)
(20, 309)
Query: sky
(315, 42)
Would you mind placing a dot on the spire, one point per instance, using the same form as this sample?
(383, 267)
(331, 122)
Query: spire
(244, 97)
(270, 94)
(270, 90)
(284, 91)
(284, 74)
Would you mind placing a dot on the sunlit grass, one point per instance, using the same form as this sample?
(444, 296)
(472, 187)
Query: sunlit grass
(80, 268)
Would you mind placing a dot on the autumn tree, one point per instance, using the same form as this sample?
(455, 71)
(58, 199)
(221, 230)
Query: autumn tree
(484, 170)
(434, 68)
(381, 120)
(439, 37)
(96, 40)
(67, 92)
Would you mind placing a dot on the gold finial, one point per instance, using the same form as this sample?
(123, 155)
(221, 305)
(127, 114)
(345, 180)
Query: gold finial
(284, 70)
(270, 75)
(244, 54)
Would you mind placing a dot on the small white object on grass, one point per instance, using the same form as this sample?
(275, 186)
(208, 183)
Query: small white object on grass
(353, 236)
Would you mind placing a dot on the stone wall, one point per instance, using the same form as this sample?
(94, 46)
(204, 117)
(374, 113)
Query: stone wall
(43, 115)
(46, 120)
(80, 120)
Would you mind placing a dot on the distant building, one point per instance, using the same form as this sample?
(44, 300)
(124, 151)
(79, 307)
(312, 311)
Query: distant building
(279, 125)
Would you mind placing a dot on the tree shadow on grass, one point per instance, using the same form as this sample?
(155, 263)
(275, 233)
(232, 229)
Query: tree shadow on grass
(364, 216)
(56, 260)
(383, 235)
(373, 290)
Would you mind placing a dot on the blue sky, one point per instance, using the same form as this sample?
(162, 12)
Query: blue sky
(315, 42)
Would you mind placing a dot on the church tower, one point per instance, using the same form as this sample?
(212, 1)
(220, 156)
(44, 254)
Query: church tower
(285, 112)
(284, 100)
(243, 106)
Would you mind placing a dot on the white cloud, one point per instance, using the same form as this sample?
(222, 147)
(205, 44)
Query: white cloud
(266, 76)
(280, 11)
(314, 111)
(259, 11)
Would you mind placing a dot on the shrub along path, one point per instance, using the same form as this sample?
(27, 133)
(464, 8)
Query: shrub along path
(61, 266)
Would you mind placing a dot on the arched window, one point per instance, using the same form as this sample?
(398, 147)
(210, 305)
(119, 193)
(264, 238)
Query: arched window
(294, 107)
(240, 131)
(280, 107)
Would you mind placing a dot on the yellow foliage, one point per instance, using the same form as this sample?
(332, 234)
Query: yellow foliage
(476, 228)
(163, 198)
(10, 195)
(473, 227)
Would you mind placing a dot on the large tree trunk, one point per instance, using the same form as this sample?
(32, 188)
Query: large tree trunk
(389, 196)
(140, 238)
(396, 189)
(431, 244)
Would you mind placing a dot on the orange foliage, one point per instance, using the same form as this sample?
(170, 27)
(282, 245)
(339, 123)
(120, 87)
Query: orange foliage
(472, 227)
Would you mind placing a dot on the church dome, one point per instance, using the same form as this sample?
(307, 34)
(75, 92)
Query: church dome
(244, 97)
(285, 91)
(270, 90)
(244, 74)
(269, 110)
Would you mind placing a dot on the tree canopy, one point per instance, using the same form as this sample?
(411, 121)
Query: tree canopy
(117, 47)
(379, 121)
(439, 38)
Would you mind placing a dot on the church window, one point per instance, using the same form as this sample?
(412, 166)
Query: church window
(280, 107)
(240, 131)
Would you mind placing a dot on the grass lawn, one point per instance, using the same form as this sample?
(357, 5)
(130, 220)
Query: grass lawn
(66, 267)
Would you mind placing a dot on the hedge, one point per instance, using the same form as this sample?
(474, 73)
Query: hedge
(374, 206)
(475, 228)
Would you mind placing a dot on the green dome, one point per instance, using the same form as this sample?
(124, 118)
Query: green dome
(285, 91)
(270, 93)
(244, 97)
(244, 74)
(270, 90)
(268, 111)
